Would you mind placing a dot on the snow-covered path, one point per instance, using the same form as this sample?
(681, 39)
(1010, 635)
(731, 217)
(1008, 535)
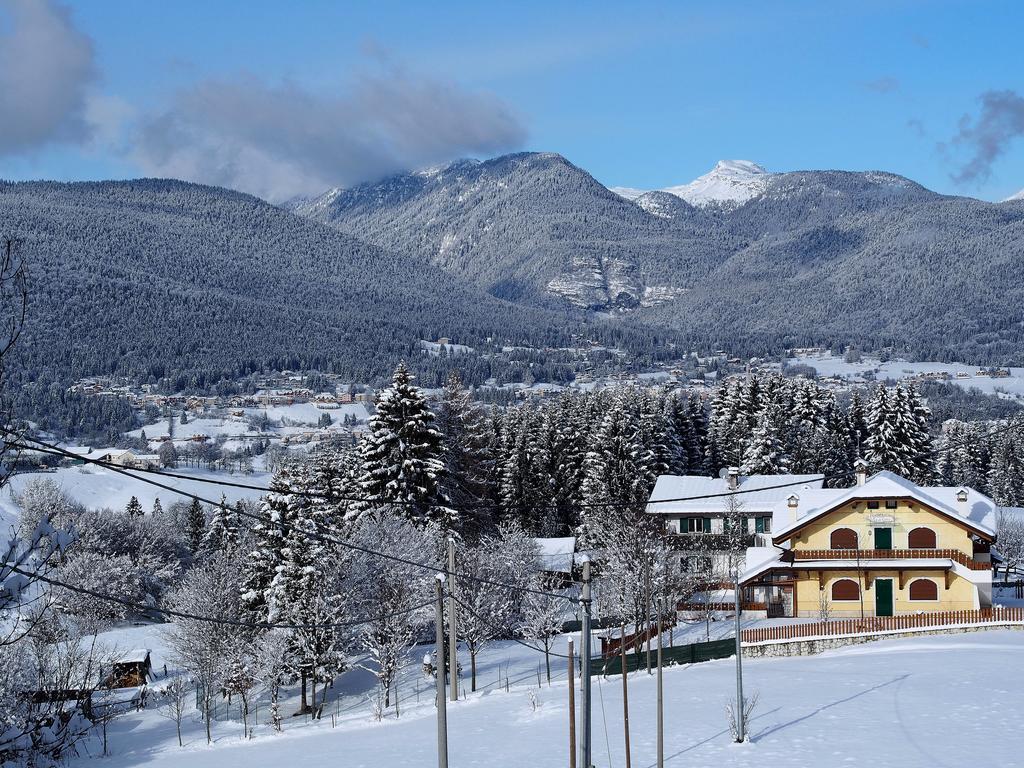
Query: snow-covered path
(935, 701)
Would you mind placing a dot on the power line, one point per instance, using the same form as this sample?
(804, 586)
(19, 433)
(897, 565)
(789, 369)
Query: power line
(502, 630)
(314, 534)
(57, 450)
(211, 619)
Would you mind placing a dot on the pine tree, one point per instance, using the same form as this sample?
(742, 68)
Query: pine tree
(195, 525)
(134, 508)
(158, 508)
(222, 533)
(857, 427)
(765, 453)
(260, 566)
(401, 455)
(620, 466)
(467, 455)
(1006, 475)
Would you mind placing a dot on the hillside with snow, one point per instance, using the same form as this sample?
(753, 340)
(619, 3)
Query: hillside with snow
(1014, 197)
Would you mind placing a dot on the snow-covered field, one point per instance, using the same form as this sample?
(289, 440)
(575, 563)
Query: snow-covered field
(830, 365)
(932, 701)
(96, 487)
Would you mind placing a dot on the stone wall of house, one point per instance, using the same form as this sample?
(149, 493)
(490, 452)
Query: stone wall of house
(809, 647)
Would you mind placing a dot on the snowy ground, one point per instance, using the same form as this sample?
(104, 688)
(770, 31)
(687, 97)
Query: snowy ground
(96, 487)
(829, 365)
(931, 701)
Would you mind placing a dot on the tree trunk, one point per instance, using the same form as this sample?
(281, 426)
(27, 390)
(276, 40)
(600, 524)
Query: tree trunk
(547, 660)
(304, 702)
(472, 668)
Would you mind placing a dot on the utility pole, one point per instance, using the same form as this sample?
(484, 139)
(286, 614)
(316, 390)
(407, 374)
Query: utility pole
(442, 714)
(586, 760)
(661, 699)
(741, 716)
(453, 661)
(625, 691)
(572, 709)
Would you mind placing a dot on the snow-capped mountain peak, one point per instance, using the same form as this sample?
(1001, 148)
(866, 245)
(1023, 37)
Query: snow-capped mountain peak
(730, 182)
(1018, 196)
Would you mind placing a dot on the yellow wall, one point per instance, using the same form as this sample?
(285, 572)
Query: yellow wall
(907, 516)
(959, 597)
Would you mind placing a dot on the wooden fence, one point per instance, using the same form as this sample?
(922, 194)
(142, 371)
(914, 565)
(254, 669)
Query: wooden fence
(611, 646)
(891, 554)
(873, 624)
(680, 654)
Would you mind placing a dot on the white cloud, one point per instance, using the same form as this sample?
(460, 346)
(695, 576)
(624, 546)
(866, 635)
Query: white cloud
(46, 69)
(280, 140)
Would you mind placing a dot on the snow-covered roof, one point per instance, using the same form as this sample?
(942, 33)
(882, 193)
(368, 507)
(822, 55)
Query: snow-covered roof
(978, 512)
(556, 554)
(758, 493)
(134, 656)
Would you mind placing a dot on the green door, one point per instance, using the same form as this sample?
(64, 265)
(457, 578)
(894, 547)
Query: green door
(883, 597)
(883, 538)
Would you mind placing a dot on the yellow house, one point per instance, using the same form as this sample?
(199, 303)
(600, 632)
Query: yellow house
(884, 547)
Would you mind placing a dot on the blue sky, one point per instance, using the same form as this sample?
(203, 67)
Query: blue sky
(283, 98)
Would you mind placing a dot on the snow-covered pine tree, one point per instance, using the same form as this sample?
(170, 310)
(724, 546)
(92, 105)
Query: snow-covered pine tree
(857, 427)
(832, 446)
(1006, 473)
(619, 466)
(401, 455)
(765, 453)
(158, 508)
(268, 542)
(676, 416)
(134, 508)
(923, 457)
(697, 446)
(728, 426)
(886, 448)
(195, 526)
(300, 592)
(467, 454)
(222, 533)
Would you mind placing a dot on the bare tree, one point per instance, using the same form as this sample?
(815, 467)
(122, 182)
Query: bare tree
(204, 649)
(542, 618)
(175, 702)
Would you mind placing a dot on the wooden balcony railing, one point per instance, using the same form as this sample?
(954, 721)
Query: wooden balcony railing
(891, 554)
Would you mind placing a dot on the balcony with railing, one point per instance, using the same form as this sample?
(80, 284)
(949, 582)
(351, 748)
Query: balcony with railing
(798, 555)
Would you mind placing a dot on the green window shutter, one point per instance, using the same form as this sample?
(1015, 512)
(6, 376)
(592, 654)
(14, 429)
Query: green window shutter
(759, 525)
(707, 524)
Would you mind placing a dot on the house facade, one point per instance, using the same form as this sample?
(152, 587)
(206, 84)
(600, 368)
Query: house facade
(882, 548)
(695, 511)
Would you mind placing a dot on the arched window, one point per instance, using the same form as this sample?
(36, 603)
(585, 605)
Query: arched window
(921, 538)
(924, 589)
(845, 589)
(843, 538)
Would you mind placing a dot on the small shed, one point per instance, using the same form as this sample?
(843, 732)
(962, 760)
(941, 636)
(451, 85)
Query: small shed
(130, 669)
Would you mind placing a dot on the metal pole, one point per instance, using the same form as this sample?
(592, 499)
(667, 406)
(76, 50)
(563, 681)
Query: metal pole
(572, 708)
(453, 659)
(740, 714)
(625, 692)
(442, 714)
(661, 700)
(585, 751)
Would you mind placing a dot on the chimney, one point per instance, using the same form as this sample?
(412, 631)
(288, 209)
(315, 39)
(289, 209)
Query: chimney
(961, 499)
(793, 501)
(733, 478)
(860, 469)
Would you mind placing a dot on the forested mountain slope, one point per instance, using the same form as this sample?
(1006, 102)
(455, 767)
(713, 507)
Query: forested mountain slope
(813, 257)
(151, 278)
